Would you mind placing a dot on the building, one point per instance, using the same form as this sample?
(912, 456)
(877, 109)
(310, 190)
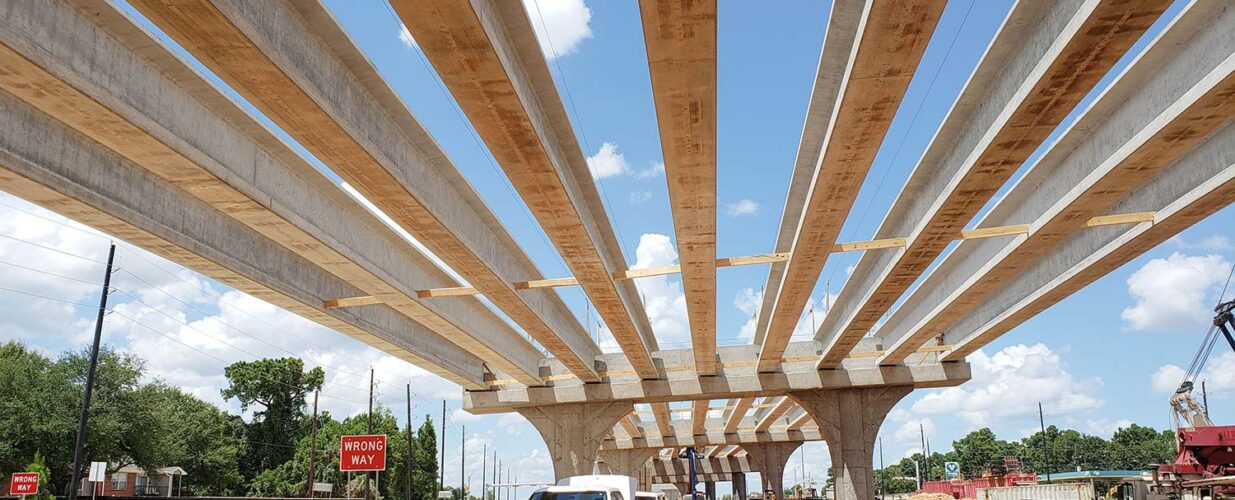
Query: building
(133, 481)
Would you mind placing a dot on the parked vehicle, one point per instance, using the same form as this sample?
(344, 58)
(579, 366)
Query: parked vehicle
(594, 487)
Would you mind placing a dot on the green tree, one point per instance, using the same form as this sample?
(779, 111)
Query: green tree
(1136, 447)
(279, 387)
(40, 466)
(978, 448)
(204, 441)
(424, 462)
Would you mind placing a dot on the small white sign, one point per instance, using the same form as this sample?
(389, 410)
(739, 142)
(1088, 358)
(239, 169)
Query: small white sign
(445, 494)
(98, 472)
(323, 487)
(952, 469)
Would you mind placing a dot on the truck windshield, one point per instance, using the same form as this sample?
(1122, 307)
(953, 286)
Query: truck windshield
(569, 495)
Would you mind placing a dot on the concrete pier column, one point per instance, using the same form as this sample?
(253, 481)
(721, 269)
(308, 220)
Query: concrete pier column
(625, 462)
(709, 488)
(770, 459)
(739, 485)
(849, 420)
(573, 432)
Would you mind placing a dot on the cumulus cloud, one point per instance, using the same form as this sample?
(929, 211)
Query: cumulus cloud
(1009, 383)
(405, 37)
(750, 301)
(560, 25)
(662, 296)
(656, 169)
(1215, 242)
(742, 207)
(640, 197)
(1219, 375)
(607, 162)
(1175, 293)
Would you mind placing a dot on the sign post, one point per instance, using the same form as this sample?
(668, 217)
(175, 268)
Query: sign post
(98, 474)
(24, 483)
(362, 454)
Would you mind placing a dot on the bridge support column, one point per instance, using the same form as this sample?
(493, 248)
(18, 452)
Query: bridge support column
(709, 489)
(573, 432)
(770, 459)
(850, 420)
(739, 485)
(625, 462)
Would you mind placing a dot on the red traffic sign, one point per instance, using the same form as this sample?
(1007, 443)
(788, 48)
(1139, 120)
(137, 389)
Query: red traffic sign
(24, 483)
(362, 453)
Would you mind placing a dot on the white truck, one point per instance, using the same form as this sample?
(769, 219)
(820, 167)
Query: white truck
(595, 487)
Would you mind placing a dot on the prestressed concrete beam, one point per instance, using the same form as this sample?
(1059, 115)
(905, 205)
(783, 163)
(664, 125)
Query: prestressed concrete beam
(699, 416)
(181, 129)
(488, 56)
(47, 163)
(1162, 106)
(664, 423)
(740, 408)
(844, 20)
(770, 417)
(1044, 59)
(296, 64)
(891, 39)
(681, 48)
(1199, 184)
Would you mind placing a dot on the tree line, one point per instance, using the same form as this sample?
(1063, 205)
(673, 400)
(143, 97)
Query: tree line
(139, 421)
(1133, 447)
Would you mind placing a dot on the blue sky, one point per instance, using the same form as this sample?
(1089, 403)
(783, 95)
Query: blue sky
(1097, 360)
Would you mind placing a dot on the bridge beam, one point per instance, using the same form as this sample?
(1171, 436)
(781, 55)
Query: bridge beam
(301, 70)
(1045, 58)
(1160, 108)
(188, 143)
(573, 432)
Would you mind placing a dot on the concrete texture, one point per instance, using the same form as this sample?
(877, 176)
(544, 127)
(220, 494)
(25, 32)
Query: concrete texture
(713, 466)
(295, 64)
(850, 421)
(890, 43)
(42, 161)
(1162, 106)
(681, 46)
(1045, 58)
(488, 57)
(625, 462)
(573, 432)
(769, 459)
(843, 23)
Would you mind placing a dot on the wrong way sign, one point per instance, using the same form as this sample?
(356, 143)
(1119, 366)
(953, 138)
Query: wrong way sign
(362, 453)
(24, 483)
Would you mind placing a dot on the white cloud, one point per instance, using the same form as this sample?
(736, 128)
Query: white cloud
(405, 37)
(750, 301)
(1008, 385)
(1175, 293)
(656, 169)
(742, 207)
(607, 162)
(1219, 375)
(1215, 242)
(560, 25)
(1105, 427)
(640, 197)
(662, 296)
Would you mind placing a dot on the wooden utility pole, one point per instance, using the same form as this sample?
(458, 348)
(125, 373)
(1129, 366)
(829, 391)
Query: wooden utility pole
(463, 463)
(441, 469)
(410, 443)
(79, 444)
(313, 446)
(370, 430)
(484, 455)
(1046, 449)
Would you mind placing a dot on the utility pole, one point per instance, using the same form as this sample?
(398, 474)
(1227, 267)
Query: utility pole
(484, 455)
(370, 429)
(1205, 398)
(463, 463)
(410, 443)
(313, 445)
(926, 458)
(1046, 450)
(496, 467)
(441, 469)
(75, 482)
(882, 469)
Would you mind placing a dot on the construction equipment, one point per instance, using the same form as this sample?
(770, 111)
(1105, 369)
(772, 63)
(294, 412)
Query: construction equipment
(1205, 463)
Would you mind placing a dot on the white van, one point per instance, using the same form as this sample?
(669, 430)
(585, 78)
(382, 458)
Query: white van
(595, 487)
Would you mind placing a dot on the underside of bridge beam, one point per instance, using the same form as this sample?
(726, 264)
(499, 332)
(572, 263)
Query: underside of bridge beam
(850, 420)
(573, 432)
(627, 462)
(769, 459)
